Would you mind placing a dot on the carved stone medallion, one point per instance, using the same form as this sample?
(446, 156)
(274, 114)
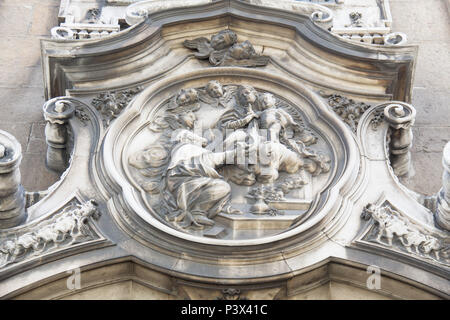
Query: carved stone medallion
(228, 162)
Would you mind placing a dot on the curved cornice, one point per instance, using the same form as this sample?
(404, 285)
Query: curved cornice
(69, 63)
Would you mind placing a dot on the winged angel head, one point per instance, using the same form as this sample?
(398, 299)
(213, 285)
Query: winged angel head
(224, 50)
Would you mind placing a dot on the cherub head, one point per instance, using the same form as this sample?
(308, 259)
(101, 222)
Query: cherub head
(224, 39)
(376, 212)
(214, 89)
(242, 51)
(266, 101)
(187, 97)
(246, 95)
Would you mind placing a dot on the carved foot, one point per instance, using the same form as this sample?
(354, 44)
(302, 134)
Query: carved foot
(231, 210)
(201, 219)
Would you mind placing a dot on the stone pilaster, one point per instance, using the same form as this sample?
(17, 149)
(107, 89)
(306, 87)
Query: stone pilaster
(12, 194)
(443, 199)
(400, 117)
(57, 114)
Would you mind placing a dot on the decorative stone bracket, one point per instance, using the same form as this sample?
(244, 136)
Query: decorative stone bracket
(400, 117)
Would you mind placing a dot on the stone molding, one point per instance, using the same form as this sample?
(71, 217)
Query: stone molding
(113, 125)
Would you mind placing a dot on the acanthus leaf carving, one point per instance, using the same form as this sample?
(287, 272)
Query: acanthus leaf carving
(231, 294)
(351, 111)
(111, 104)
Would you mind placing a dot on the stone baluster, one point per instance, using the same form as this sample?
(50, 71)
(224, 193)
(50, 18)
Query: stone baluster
(57, 114)
(442, 215)
(400, 117)
(12, 194)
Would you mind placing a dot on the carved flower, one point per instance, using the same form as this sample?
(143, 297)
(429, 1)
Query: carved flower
(154, 156)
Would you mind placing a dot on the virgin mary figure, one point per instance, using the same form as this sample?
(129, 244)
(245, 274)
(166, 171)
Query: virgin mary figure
(195, 192)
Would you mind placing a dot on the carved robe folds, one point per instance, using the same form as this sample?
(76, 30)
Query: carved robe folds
(195, 190)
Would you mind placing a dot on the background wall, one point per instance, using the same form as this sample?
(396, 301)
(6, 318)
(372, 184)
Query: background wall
(22, 23)
(426, 23)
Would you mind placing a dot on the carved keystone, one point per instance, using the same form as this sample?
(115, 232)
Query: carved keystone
(442, 215)
(12, 194)
(57, 114)
(400, 117)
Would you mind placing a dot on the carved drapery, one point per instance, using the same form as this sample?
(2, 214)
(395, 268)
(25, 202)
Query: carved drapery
(211, 141)
(170, 199)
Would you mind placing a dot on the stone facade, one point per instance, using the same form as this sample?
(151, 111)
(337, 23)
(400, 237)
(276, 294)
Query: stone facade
(199, 145)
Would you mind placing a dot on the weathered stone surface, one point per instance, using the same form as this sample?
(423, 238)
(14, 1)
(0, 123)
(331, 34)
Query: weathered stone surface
(427, 24)
(15, 19)
(21, 84)
(433, 70)
(432, 106)
(421, 20)
(44, 18)
(328, 243)
(35, 175)
(12, 199)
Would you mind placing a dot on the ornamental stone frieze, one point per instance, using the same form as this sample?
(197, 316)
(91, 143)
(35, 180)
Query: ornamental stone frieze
(225, 150)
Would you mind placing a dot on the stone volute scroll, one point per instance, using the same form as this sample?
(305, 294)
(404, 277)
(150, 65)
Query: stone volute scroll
(12, 194)
(57, 113)
(401, 117)
(442, 214)
(223, 49)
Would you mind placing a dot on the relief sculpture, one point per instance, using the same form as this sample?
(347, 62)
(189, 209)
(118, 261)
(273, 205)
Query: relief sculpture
(64, 229)
(394, 231)
(224, 50)
(224, 151)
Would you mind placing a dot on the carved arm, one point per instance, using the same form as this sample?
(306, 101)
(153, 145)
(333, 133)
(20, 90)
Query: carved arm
(241, 122)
